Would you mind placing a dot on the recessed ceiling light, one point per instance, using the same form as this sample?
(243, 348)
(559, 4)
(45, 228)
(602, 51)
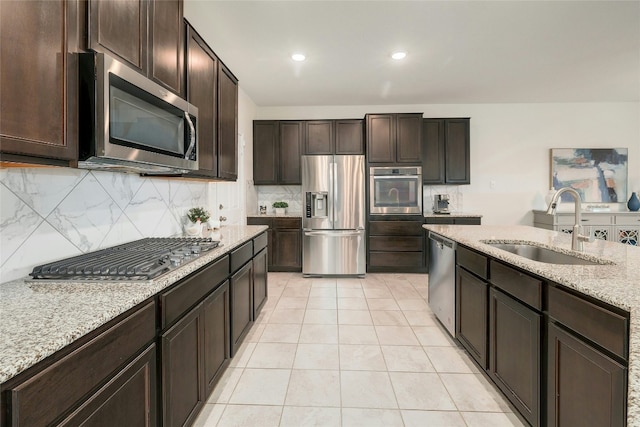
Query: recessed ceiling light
(399, 55)
(298, 57)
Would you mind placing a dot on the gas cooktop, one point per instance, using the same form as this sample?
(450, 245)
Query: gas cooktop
(143, 259)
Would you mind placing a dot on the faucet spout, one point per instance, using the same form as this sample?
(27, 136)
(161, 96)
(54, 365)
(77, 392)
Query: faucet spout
(577, 237)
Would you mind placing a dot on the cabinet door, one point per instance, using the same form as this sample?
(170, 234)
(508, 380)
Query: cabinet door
(433, 151)
(38, 82)
(408, 138)
(260, 291)
(241, 292)
(457, 151)
(119, 28)
(514, 337)
(349, 136)
(381, 138)
(319, 137)
(627, 234)
(182, 379)
(227, 124)
(585, 387)
(166, 43)
(290, 150)
(216, 335)
(202, 72)
(265, 152)
(287, 249)
(471, 314)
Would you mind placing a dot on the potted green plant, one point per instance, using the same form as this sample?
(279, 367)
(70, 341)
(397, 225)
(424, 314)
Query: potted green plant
(197, 217)
(280, 207)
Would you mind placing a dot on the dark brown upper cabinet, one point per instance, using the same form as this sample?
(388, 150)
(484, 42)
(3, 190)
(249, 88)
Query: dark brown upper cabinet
(145, 34)
(446, 151)
(227, 124)
(320, 137)
(39, 82)
(349, 136)
(326, 137)
(277, 147)
(394, 138)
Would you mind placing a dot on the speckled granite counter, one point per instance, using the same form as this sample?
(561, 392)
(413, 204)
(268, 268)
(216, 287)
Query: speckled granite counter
(272, 215)
(38, 319)
(617, 284)
(452, 215)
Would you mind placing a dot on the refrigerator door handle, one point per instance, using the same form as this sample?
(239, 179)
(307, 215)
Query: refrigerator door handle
(334, 167)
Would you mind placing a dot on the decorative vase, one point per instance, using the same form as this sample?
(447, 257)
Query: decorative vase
(633, 204)
(194, 229)
(281, 211)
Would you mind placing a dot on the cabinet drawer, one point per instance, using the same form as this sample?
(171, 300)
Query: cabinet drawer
(587, 219)
(472, 261)
(260, 221)
(395, 259)
(175, 302)
(602, 326)
(287, 223)
(260, 242)
(241, 255)
(395, 243)
(395, 228)
(47, 395)
(628, 220)
(447, 220)
(522, 286)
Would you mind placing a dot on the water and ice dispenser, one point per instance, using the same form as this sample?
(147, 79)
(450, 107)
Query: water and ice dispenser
(317, 204)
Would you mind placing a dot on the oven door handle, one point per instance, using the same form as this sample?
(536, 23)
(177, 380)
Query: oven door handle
(192, 135)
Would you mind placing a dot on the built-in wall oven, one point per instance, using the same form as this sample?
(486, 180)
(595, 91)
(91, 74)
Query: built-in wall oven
(395, 190)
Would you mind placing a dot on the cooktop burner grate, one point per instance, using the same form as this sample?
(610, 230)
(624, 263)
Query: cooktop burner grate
(143, 259)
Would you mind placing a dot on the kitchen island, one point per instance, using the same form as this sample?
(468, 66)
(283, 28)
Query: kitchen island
(616, 283)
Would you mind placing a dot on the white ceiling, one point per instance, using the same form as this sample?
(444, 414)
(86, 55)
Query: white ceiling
(458, 51)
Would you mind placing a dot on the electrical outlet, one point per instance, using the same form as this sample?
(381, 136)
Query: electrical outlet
(492, 184)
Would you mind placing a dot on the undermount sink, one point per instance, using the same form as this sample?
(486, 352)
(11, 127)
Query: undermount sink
(542, 254)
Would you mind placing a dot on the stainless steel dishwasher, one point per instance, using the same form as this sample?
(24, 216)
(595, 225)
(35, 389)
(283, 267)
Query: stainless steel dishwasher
(442, 280)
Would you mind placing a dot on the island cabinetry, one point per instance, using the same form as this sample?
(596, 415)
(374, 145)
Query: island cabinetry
(472, 293)
(515, 322)
(396, 245)
(109, 377)
(394, 138)
(446, 151)
(445, 219)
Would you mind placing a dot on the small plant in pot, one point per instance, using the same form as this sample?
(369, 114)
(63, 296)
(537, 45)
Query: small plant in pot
(197, 217)
(280, 207)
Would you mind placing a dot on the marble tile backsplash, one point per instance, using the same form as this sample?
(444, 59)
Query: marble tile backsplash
(455, 197)
(52, 213)
(292, 194)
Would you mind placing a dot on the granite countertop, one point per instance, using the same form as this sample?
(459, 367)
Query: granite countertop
(617, 284)
(452, 214)
(586, 211)
(39, 318)
(272, 215)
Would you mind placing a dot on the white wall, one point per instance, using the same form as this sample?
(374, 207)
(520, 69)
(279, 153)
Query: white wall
(510, 146)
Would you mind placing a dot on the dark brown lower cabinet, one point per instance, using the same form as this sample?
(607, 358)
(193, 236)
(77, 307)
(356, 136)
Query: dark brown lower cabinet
(183, 388)
(514, 353)
(241, 292)
(259, 282)
(471, 314)
(396, 245)
(584, 386)
(287, 250)
(216, 335)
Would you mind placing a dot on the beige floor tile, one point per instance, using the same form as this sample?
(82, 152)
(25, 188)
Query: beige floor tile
(377, 292)
(250, 415)
(287, 316)
(412, 304)
(433, 336)
(314, 388)
(345, 283)
(420, 317)
(305, 416)
(352, 304)
(492, 419)
(405, 292)
(367, 389)
(321, 303)
(350, 292)
(223, 390)
(323, 292)
(470, 394)
(243, 354)
(361, 417)
(291, 302)
(272, 355)
(323, 283)
(261, 387)
(382, 304)
(280, 333)
(414, 418)
(360, 357)
(296, 291)
(406, 358)
(255, 333)
(450, 360)
(388, 317)
(209, 415)
(354, 317)
(421, 391)
(396, 335)
(357, 334)
(317, 356)
(319, 334)
(321, 317)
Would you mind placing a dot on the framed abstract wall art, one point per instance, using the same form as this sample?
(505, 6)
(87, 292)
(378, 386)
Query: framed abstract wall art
(599, 175)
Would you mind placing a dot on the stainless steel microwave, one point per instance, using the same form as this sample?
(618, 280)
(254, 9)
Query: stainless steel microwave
(130, 123)
(395, 190)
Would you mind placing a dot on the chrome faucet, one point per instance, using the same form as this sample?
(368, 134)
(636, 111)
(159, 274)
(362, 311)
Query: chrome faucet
(577, 238)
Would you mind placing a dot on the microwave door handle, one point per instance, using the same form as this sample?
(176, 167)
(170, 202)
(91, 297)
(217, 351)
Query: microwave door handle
(192, 136)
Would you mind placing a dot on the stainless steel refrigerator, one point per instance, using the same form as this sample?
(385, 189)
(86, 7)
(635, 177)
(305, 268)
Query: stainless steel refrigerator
(333, 219)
